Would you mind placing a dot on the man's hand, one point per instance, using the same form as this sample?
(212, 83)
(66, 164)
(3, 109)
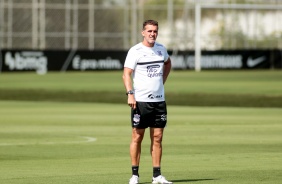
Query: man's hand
(131, 101)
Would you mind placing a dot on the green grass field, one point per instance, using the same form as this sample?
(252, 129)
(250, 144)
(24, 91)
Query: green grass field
(63, 128)
(55, 142)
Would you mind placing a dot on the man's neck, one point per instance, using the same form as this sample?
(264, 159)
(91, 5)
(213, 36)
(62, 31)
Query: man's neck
(148, 44)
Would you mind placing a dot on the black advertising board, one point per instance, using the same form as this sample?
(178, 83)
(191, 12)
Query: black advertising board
(55, 60)
(276, 59)
(42, 61)
(238, 59)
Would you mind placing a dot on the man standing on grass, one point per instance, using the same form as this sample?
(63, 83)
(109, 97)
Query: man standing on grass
(149, 65)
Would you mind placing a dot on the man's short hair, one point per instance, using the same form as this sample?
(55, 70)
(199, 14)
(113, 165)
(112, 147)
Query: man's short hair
(150, 22)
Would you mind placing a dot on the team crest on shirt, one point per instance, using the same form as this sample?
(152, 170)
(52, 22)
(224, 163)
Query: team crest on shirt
(159, 53)
(136, 119)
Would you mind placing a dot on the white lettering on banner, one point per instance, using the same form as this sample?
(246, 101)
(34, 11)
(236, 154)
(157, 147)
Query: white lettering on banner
(207, 61)
(84, 64)
(217, 61)
(27, 61)
(178, 62)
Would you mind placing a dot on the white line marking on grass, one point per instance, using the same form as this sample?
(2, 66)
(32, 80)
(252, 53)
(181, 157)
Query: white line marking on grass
(87, 140)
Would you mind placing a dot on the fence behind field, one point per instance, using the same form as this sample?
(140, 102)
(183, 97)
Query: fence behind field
(116, 24)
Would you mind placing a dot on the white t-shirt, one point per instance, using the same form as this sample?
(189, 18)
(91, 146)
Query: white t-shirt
(147, 63)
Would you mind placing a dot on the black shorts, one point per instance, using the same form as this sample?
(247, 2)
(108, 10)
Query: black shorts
(149, 114)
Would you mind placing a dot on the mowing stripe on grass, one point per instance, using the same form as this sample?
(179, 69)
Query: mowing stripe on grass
(87, 140)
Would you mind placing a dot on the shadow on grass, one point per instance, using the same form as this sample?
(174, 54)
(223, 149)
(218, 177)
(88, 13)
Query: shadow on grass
(184, 180)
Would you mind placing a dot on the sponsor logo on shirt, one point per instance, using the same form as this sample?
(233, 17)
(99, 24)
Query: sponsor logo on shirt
(151, 96)
(153, 68)
(152, 71)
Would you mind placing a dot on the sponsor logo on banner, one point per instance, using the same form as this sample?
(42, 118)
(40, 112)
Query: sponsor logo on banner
(254, 62)
(26, 60)
(79, 63)
(208, 61)
(217, 61)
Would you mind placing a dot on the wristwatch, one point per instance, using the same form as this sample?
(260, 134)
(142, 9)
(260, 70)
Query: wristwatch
(130, 92)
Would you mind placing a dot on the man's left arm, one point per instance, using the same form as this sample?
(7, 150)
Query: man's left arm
(167, 67)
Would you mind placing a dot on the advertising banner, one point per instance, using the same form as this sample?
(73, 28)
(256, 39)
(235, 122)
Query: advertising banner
(239, 59)
(42, 61)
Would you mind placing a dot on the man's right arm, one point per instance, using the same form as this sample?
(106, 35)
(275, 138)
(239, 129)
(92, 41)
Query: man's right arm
(127, 72)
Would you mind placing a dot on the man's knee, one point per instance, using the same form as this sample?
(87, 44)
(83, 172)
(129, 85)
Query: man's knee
(157, 138)
(137, 135)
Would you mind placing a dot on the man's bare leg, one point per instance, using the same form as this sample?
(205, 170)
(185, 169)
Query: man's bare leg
(156, 135)
(135, 145)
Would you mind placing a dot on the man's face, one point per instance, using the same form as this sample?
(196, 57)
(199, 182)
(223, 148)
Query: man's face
(150, 34)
